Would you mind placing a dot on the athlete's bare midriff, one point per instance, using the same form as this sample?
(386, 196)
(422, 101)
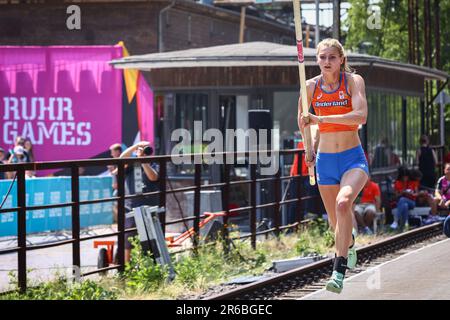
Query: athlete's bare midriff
(332, 142)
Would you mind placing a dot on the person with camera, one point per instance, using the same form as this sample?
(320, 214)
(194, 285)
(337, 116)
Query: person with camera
(139, 178)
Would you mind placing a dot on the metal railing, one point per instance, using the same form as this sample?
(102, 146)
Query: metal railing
(75, 204)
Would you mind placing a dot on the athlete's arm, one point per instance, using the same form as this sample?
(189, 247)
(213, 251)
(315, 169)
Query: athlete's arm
(315, 136)
(359, 102)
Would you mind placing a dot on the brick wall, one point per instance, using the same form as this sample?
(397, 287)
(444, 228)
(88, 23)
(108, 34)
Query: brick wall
(187, 25)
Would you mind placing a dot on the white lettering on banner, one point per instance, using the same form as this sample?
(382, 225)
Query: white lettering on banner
(96, 207)
(85, 208)
(38, 200)
(7, 216)
(55, 197)
(68, 210)
(44, 120)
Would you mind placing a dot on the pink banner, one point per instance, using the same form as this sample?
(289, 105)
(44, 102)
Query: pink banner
(66, 99)
(145, 110)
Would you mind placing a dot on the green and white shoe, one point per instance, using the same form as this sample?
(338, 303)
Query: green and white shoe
(352, 258)
(336, 283)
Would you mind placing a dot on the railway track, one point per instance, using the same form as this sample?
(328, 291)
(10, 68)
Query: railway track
(299, 282)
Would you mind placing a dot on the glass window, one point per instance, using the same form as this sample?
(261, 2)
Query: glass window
(190, 108)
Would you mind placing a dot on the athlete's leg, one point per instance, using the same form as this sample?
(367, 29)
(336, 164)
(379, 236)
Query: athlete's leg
(352, 183)
(328, 193)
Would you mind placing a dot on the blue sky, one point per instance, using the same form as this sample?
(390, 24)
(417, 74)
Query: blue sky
(326, 15)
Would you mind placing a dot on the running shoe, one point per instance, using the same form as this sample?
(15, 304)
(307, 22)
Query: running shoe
(336, 283)
(352, 258)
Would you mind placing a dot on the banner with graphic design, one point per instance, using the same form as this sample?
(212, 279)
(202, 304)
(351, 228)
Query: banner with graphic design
(57, 190)
(66, 99)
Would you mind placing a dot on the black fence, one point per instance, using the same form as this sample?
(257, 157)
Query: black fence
(75, 204)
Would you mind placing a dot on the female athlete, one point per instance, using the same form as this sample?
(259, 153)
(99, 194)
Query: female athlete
(338, 106)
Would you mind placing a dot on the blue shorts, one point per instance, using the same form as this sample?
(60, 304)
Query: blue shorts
(332, 166)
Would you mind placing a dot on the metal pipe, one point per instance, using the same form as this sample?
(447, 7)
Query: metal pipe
(197, 204)
(317, 40)
(160, 26)
(121, 216)
(21, 231)
(76, 259)
(253, 205)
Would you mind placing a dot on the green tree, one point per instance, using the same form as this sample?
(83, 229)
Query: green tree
(391, 39)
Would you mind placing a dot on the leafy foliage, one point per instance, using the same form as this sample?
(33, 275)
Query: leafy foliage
(391, 40)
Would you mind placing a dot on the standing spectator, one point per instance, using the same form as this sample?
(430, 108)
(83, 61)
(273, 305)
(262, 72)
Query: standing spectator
(406, 193)
(381, 154)
(18, 155)
(304, 182)
(28, 146)
(368, 206)
(427, 159)
(442, 192)
(19, 141)
(139, 178)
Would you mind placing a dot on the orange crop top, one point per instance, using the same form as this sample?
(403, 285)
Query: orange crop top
(326, 103)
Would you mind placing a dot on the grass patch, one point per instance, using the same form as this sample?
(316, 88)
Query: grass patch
(195, 272)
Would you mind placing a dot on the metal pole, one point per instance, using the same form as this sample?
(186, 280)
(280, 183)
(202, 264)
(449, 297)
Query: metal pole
(337, 19)
(242, 26)
(226, 203)
(162, 195)
(298, 213)
(22, 230)
(253, 205)
(404, 130)
(121, 216)
(197, 182)
(277, 187)
(317, 40)
(160, 26)
(442, 115)
(76, 260)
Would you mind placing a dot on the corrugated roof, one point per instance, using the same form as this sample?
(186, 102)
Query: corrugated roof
(257, 54)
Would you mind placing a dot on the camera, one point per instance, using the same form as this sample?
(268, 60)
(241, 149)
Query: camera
(148, 151)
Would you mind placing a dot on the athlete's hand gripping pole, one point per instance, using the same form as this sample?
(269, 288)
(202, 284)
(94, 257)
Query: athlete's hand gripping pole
(303, 93)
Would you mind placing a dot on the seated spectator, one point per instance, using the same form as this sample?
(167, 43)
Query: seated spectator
(405, 192)
(424, 198)
(368, 206)
(442, 192)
